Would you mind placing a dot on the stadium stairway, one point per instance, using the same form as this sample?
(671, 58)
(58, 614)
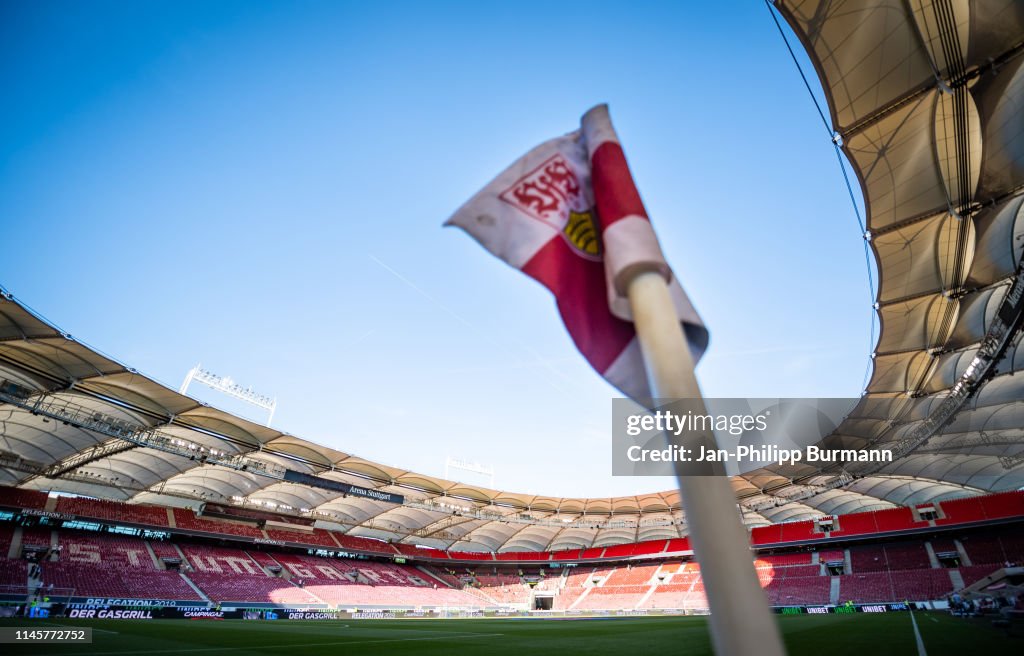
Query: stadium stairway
(181, 554)
(964, 558)
(479, 592)
(262, 565)
(152, 554)
(586, 591)
(194, 587)
(833, 591)
(14, 552)
(312, 594)
(433, 577)
(647, 595)
(933, 560)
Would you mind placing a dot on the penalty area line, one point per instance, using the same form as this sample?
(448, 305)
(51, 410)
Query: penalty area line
(917, 637)
(194, 650)
(72, 626)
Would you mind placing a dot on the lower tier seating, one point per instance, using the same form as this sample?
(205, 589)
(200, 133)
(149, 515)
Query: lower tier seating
(264, 589)
(90, 580)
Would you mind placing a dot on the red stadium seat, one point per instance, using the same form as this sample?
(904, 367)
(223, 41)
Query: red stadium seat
(18, 498)
(113, 511)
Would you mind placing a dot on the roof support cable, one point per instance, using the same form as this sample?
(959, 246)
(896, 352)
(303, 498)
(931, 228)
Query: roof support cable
(837, 142)
(828, 128)
(960, 206)
(872, 336)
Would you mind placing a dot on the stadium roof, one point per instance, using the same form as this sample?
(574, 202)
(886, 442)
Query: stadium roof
(925, 103)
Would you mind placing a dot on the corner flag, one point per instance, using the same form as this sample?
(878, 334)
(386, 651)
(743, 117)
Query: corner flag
(568, 215)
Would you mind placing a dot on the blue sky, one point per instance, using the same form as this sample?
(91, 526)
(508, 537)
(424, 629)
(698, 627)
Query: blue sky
(260, 187)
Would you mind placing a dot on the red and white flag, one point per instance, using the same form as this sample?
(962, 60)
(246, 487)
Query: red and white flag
(568, 215)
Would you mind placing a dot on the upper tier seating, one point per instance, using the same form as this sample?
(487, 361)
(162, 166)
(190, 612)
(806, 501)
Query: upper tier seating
(364, 544)
(770, 534)
(958, 511)
(967, 510)
(777, 560)
(636, 549)
(16, 497)
(414, 551)
(113, 511)
(676, 545)
(317, 537)
(523, 555)
(799, 531)
(1004, 504)
(185, 519)
(567, 554)
(471, 555)
(896, 519)
(855, 524)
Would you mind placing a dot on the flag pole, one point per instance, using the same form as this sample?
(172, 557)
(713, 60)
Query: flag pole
(741, 621)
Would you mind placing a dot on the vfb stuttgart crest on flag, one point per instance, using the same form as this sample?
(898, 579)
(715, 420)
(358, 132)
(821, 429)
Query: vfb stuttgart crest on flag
(552, 193)
(568, 215)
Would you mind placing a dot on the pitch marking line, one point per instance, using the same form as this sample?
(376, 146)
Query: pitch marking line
(72, 626)
(917, 637)
(187, 650)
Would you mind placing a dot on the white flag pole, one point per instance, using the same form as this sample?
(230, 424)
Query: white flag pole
(742, 623)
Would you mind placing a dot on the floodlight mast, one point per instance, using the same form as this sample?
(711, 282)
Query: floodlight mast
(226, 385)
(474, 467)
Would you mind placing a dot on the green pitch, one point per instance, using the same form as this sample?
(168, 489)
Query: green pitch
(835, 635)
